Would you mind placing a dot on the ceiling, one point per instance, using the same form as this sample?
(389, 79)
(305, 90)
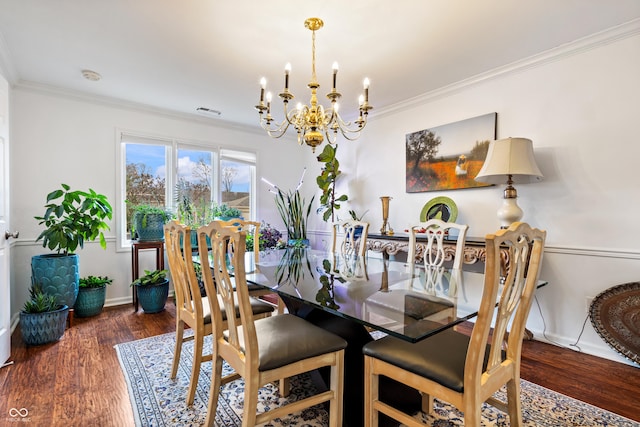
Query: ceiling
(180, 55)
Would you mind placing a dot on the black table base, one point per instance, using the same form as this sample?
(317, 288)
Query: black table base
(356, 336)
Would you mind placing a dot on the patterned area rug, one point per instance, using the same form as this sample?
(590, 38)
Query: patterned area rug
(160, 401)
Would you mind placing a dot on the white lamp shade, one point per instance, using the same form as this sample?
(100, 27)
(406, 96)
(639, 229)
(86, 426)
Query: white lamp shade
(510, 156)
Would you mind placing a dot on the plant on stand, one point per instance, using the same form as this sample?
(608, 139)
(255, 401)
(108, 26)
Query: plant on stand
(71, 218)
(329, 201)
(147, 224)
(294, 212)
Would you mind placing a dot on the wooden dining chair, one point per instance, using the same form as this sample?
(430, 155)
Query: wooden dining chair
(264, 350)
(460, 369)
(350, 237)
(435, 253)
(192, 310)
(253, 228)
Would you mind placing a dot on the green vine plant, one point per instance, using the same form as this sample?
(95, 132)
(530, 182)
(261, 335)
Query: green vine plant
(329, 201)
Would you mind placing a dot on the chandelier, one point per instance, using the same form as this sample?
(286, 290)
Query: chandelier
(312, 122)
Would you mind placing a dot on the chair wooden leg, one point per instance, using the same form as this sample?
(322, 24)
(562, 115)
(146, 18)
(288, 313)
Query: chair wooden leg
(513, 403)
(178, 349)
(337, 386)
(198, 343)
(427, 403)
(472, 409)
(214, 391)
(285, 387)
(249, 412)
(371, 391)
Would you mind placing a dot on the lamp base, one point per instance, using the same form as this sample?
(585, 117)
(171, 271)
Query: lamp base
(509, 212)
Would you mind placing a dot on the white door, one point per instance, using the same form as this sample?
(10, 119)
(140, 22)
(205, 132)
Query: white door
(5, 300)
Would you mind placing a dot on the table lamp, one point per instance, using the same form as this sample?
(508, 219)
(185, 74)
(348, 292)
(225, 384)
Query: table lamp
(510, 160)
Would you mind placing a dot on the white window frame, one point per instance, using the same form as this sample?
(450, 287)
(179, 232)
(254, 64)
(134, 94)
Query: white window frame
(171, 157)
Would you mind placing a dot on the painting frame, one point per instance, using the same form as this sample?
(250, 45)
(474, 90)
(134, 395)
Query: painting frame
(449, 156)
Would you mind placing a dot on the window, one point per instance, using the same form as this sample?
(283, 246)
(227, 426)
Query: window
(173, 174)
(238, 180)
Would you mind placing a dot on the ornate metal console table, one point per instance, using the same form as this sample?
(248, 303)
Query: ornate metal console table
(474, 249)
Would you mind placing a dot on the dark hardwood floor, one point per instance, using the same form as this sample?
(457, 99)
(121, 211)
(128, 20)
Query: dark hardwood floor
(78, 382)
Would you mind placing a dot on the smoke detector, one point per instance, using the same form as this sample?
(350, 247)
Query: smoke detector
(91, 75)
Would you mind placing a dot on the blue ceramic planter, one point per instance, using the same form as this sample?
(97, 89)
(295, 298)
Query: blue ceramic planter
(43, 328)
(153, 297)
(90, 301)
(149, 227)
(298, 243)
(58, 275)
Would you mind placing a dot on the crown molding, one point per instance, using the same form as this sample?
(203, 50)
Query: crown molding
(594, 41)
(30, 86)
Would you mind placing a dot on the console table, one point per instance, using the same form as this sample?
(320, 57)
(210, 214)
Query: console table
(474, 247)
(137, 246)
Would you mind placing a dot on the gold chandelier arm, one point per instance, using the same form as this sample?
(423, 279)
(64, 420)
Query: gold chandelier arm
(350, 130)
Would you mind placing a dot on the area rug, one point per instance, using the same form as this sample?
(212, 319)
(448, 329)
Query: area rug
(158, 400)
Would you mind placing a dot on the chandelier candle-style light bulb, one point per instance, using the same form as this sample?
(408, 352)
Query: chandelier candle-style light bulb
(313, 122)
(263, 85)
(287, 70)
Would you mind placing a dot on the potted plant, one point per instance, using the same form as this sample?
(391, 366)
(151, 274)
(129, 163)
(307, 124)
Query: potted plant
(70, 218)
(147, 224)
(269, 238)
(152, 289)
(294, 212)
(329, 201)
(91, 295)
(42, 319)
(225, 212)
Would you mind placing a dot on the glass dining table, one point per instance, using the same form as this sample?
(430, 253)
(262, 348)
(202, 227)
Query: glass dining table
(410, 303)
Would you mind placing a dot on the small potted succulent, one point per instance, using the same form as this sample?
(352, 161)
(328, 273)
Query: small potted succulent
(153, 290)
(42, 319)
(91, 295)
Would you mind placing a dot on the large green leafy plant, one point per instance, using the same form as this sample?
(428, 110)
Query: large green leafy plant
(329, 201)
(73, 217)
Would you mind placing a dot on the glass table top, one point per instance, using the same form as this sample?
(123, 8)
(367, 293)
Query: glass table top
(389, 296)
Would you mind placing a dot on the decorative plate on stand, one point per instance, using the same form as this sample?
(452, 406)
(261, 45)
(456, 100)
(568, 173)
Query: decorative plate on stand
(615, 315)
(442, 208)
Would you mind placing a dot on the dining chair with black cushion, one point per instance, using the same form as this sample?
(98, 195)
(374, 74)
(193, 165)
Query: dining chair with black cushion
(350, 237)
(253, 228)
(192, 310)
(265, 350)
(435, 252)
(467, 370)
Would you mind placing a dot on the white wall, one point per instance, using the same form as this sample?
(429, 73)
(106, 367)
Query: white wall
(581, 110)
(64, 139)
